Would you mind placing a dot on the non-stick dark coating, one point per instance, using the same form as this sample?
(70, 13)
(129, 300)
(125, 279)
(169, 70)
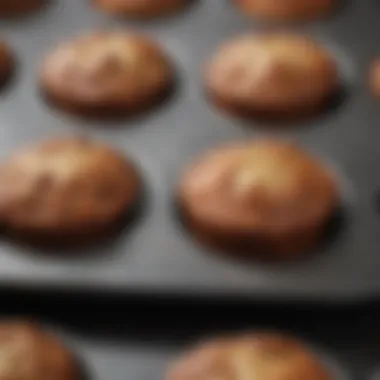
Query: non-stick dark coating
(141, 341)
(157, 254)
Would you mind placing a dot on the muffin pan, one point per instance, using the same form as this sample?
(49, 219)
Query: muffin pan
(156, 254)
(112, 344)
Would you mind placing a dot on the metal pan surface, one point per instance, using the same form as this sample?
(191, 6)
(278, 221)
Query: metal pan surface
(157, 255)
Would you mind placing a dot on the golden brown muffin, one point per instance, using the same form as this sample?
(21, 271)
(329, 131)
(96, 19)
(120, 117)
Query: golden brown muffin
(28, 353)
(272, 75)
(264, 356)
(287, 10)
(266, 199)
(66, 188)
(141, 8)
(10, 8)
(7, 62)
(109, 73)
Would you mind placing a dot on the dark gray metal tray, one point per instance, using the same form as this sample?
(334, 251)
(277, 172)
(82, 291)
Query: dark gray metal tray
(157, 255)
(142, 340)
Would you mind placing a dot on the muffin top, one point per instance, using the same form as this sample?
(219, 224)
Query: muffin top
(266, 185)
(272, 72)
(141, 8)
(264, 356)
(106, 68)
(66, 184)
(287, 10)
(28, 353)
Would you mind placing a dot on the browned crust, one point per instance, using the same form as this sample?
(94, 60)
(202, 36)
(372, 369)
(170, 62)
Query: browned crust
(287, 10)
(145, 9)
(257, 245)
(11, 8)
(265, 60)
(36, 203)
(115, 110)
(284, 116)
(121, 102)
(28, 352)
(233, 231)
(272, 356)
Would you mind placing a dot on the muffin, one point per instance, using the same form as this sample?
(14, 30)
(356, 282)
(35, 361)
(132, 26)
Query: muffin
(374, 78)
(264, 356)
(10, 8)
(287, 10)
(263, 199)
(64, 189)
(7, 63)
(29, 353)
(107, 73)
(272, 76)
(141, 9)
